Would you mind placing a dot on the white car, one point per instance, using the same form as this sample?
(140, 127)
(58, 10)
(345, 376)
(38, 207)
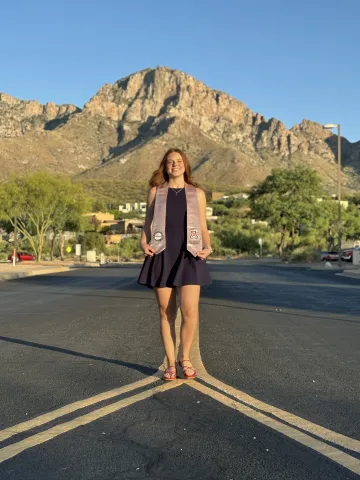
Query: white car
(329, 256)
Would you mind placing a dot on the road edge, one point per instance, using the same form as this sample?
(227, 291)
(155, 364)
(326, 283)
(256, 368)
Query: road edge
(4, 277)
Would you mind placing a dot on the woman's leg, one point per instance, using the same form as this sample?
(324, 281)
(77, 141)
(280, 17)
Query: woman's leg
(189, 306)
(166, 298)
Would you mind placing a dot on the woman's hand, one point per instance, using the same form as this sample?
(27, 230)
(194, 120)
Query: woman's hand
(204, 253)
(148, 251)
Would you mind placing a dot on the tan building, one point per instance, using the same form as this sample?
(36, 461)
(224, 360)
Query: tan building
(113, 238)
(127, 226)
(216, 195)
(104, 219)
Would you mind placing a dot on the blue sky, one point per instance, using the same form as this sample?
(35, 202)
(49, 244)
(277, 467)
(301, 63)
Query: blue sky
(285, 59)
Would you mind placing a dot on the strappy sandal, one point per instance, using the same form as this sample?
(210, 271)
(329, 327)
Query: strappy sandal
(185, 368)
(170, 372)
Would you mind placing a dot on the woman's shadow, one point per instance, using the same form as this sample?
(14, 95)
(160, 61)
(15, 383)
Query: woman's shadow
(140, 368)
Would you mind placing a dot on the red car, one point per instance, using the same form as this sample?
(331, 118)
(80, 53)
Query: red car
(347, 255)
(22, 257)
(330, 256)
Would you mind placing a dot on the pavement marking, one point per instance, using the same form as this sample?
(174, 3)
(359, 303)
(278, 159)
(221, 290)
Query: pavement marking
(72, 407)
(342, 458)
(14, 449)
(250, 409)
(296, 421)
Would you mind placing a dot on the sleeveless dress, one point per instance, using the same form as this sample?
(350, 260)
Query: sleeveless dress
(174, 266)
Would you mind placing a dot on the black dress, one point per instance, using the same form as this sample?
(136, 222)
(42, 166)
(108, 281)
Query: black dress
(174, 266)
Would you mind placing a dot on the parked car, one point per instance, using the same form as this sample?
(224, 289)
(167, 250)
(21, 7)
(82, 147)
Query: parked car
(330, 256)
(22, 257)
(347, 255)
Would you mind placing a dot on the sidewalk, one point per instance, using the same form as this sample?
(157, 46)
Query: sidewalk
(355, 273)
(22, 270)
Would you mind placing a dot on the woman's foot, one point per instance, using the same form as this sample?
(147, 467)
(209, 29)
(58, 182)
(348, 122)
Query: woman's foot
(170, 373)
(188, 369)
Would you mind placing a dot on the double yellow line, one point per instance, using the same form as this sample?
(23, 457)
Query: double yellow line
(301, 430)
(18, 447)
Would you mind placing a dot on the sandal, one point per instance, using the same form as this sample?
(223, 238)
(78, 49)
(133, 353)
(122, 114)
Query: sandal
(170, 373)
(186, 369)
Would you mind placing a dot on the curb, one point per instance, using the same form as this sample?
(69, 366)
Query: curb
(32, 273)
(85, 265)
(349, 274)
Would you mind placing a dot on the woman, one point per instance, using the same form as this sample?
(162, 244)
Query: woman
(176, 243)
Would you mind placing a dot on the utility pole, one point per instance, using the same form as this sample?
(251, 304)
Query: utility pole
(339, 194)
(15, 241)
(330, 126)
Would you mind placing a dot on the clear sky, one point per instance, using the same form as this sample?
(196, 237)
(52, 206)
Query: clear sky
(288, 59)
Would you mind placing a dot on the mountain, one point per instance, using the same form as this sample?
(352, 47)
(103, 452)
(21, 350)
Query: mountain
(123, 131)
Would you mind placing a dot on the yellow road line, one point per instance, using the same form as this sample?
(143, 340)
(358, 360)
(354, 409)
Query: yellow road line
(72, 407)
(328, 451)
(16, 448)
(296, 421)
(331, 452)
(302, 423)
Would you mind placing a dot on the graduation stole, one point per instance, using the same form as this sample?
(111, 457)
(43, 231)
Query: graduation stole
(194, 236)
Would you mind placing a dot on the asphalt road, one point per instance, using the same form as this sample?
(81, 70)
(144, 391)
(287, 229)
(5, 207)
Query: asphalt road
(287, 337)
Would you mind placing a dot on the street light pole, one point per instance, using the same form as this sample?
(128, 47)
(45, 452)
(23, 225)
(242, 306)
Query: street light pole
(330, 126)
(15, 241)
(339, 192)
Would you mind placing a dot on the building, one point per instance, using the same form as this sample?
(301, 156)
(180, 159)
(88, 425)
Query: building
(216, 195)
(103, 219)
(133, 207)
(343, 203)
(127, 226)
(67, 235)
(141, 207)
(113, 238)
(259, 222)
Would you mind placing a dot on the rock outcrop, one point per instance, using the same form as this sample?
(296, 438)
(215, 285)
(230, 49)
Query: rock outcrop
(130, 124)
(18, 117)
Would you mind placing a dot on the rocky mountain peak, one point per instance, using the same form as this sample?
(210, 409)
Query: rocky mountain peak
(126, 127)
(20, 116)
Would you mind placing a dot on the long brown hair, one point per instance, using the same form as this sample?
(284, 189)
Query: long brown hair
(160, 176)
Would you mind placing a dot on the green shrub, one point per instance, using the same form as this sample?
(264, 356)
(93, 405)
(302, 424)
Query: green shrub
(130, 248)
(303, 254)
(93, 241)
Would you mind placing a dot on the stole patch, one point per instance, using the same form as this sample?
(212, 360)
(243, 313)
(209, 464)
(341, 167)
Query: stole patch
(158, 236)
(194, 235)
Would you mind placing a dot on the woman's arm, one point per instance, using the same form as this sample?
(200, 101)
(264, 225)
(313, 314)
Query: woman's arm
(146, 233)
(206, 250)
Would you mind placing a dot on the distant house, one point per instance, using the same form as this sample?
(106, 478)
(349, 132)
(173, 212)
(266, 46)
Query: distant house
(104, 219)
(215, 196)
(113, 238)
(259, 222)
(67, 235)
(343, 203)
(127, 226)
(133, 207)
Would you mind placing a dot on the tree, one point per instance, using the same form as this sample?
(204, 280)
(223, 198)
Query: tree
(355, 199)
(324, 229)
(41, 202)
(286, 199)
(95, 222)
(93, 241)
